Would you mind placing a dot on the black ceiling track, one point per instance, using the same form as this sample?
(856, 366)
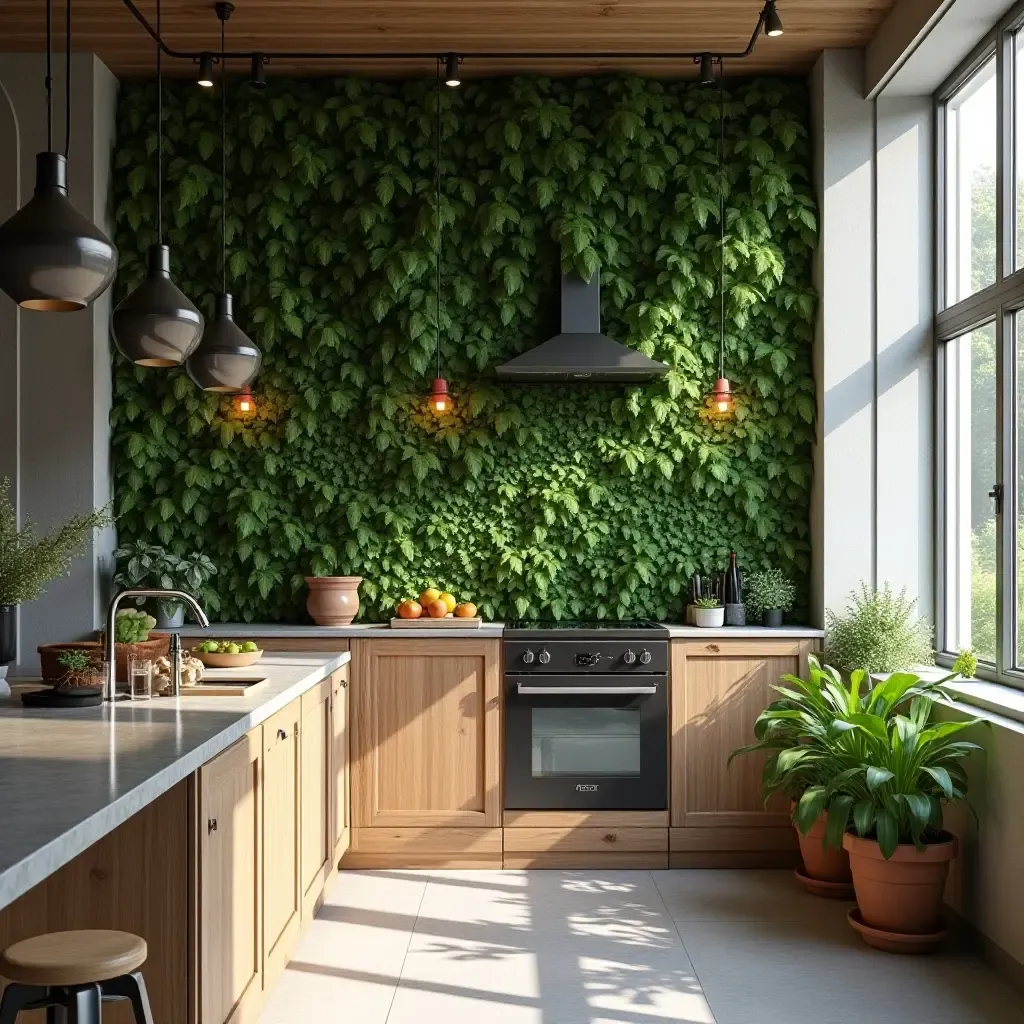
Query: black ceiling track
(270, 55)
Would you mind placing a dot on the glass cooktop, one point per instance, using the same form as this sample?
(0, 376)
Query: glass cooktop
(583, 624)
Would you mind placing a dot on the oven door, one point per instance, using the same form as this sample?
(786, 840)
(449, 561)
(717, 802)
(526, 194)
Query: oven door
(586, 742)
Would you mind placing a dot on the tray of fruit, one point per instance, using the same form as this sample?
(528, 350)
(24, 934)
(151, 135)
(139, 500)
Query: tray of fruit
(227, 653)
(433, 609)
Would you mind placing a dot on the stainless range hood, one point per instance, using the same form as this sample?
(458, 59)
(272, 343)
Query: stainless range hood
(581, 352)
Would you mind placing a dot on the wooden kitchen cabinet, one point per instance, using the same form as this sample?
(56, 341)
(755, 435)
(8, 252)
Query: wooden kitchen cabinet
(339, 767)
(282, 816)
(230, 884)
(718, 815)
(316, 738)
(425, 740)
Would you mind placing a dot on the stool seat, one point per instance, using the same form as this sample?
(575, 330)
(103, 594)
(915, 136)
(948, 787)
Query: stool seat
(73, 958)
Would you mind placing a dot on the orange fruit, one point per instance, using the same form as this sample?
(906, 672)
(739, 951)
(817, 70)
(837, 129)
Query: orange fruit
(410, 610)
(437, 610)
(449, 599)
(429, 596)
(467, 610)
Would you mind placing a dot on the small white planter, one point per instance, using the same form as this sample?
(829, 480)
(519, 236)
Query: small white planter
(709, 618)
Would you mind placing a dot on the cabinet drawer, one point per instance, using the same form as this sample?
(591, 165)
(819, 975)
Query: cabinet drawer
(586, 840)
(694, 840)
(468, 841)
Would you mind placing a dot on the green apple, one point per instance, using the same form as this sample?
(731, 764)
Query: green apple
(249, 647)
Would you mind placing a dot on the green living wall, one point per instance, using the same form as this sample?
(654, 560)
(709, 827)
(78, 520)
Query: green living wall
(529, 500)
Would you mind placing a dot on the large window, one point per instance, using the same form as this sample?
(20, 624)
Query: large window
(980, 334)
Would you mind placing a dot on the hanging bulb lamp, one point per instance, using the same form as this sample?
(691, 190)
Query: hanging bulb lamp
(707, 69)
(440, 400)
(244, 402)
(451, 71)
(52, 258)
(227, 360)
(772, 21)
(205, 78)
(722, 396)
(157, 325)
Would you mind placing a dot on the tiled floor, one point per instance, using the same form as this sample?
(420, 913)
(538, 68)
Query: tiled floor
(612, 947)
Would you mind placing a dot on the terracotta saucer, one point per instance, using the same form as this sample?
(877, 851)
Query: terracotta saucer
(896, 942)
(820, 887)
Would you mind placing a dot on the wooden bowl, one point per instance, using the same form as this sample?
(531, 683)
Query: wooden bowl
(227, 660)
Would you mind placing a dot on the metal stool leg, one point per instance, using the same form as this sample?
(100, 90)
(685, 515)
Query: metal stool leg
(17, 998)
(84, 1006)
(132, 987)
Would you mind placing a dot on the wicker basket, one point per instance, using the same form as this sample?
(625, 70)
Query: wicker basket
(157, 646)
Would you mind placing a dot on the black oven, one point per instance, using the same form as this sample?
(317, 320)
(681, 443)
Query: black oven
(586, 721)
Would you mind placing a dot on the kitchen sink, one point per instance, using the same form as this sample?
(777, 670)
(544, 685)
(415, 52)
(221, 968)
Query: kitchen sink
(224, 687)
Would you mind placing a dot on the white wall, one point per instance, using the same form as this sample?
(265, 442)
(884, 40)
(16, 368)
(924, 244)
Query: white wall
(55, 381)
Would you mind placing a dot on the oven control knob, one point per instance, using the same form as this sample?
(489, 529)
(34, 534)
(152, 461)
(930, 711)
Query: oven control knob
(544, 657)
(645, 657)
(528, 657)
(629, 657)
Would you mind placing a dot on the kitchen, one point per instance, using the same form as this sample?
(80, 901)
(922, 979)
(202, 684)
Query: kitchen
(463, 419)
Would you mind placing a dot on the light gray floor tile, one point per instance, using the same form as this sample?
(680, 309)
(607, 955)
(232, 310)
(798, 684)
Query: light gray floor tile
(792, 972)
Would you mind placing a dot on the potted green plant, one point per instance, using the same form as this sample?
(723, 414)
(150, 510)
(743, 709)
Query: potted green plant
(133, 637)
(708, 612)
(770, 593)
(149, 565)
(887, 803)
(28, 562)
(880, 631)
(808, 739)
(81, 671)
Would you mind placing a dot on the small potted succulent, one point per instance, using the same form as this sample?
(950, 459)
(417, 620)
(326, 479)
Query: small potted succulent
(708, 612)
(81, 671)
(770, 593)
(149, 565)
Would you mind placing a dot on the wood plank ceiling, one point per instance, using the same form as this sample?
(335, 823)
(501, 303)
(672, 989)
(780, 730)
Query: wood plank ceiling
(107, 28)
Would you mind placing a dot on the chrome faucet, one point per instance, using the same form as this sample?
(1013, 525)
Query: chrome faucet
(110, 685)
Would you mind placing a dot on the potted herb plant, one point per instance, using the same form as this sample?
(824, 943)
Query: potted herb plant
(708, 612)
(28, 562)
(149, 565)
(81, 671)
(133, 637)
(880, 631)
(809, 739)
(770, 593)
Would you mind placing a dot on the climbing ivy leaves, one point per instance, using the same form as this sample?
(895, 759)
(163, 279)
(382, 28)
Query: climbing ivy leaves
(538, 500)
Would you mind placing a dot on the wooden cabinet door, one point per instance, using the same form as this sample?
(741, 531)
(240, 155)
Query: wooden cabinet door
(230, 955)
(426, 733)
(718, 690)
(282, 896)
(340, 831)
(315, 741)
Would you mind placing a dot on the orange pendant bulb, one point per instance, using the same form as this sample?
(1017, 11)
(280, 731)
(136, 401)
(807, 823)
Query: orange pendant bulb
(244, 402)
(440, 400)
(721, 395)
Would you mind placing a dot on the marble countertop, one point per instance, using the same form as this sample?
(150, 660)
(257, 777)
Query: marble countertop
(68, 778)
(488, 629)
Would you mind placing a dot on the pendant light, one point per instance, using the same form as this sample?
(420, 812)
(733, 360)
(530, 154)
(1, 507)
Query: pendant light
(772, 21)
(227, 360)
(440, 401)
(51, 257)
(157, 325)
(721, 394)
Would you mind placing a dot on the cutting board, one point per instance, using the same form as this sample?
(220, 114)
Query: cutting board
(449, 622)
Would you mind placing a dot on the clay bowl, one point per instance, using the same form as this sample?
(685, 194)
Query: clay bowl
(228, 660)
(896, 942)
(821, 887)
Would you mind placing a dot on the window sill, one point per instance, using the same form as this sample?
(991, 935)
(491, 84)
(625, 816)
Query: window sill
(993, 702)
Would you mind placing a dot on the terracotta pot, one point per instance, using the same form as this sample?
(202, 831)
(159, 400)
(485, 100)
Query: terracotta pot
(902, 894)
(157, 646)
(826, 863)
(333, 600)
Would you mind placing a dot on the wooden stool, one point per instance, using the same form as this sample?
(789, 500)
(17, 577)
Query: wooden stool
(77, 971)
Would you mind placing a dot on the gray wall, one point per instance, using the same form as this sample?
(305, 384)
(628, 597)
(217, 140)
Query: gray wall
(55, 377)
(872, 506)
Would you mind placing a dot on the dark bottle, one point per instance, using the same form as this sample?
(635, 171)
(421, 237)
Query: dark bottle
(733, 583)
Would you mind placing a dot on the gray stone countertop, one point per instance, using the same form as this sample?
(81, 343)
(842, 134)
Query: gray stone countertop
(240, 630)
(69, 777)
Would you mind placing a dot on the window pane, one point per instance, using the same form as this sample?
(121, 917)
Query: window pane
(1018, 146)
(970, 371)
(971, 186)
(1019, 457)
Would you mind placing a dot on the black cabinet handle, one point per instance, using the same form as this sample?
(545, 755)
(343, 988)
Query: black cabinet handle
(281, 734)
(211, 825)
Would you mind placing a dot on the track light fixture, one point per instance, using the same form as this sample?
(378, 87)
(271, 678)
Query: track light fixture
(257, 76)
(205, 78)
(707, 69)
(451, 71)
(772, 21)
